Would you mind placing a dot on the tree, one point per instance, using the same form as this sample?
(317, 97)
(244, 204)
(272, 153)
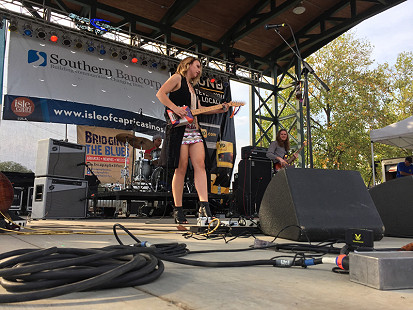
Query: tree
(12, 166)
(359, 100)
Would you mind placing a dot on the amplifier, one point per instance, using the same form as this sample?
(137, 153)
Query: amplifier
(60, 159)
(59, 198)
(254, 152)
(17, 199)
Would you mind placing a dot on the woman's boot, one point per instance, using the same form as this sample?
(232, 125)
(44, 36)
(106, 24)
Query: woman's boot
(204, 210)
(179, 216)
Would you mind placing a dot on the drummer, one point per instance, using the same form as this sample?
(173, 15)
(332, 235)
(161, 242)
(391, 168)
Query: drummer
(157, 141)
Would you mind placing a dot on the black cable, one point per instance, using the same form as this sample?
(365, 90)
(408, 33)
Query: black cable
(42, 269)
(37, 274)
(125, 230)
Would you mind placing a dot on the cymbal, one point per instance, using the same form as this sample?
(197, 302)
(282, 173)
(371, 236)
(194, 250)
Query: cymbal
(136, 142)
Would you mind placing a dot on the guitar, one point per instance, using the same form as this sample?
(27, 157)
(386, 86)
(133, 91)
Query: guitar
(278, 166)
(189, 118)
(6, 193)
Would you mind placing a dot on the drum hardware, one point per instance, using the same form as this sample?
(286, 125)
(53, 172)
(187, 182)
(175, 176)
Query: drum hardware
(160, 182)
(136, 143)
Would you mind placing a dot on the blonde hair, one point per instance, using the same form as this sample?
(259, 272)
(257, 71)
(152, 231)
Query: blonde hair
(184, 66)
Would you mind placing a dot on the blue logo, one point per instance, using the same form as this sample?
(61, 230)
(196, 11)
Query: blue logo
(37, 58)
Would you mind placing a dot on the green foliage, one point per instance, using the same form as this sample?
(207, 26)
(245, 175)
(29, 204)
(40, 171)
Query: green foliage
(12, 166)
(361, 99)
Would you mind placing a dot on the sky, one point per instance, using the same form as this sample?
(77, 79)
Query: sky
(390, 33)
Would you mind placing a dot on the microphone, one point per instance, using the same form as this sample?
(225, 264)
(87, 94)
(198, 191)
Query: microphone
(270, 26)
(81, 164)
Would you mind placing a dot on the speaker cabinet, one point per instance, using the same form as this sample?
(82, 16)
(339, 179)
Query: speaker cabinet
(59, 198)
(17, 199)
(60, 159)
(317, 205)
(253, 178)
(393, 201)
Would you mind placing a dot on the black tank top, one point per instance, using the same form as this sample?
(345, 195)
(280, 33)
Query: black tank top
(181, 96)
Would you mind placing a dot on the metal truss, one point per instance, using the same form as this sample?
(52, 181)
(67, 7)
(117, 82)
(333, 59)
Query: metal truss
(286, 112)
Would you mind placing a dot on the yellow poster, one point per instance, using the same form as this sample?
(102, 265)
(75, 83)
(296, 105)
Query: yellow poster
(225, 154)
(105, 155)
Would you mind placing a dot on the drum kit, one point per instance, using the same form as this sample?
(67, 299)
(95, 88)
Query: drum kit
(147, 173)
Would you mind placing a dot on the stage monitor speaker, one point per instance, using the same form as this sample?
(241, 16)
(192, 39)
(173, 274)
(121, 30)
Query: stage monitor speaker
(59, 198)
(317, 205)
(393, 201)
(253, 178)
(60, 159)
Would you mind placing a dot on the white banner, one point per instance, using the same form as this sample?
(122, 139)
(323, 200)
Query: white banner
(49, 70)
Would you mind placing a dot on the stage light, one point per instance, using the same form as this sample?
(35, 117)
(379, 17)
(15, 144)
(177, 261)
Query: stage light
(123, 55)
(114, 53)
(78, 43)
(134, 58)
(172, 69)
(90, 47)
(163, 66)
(27, 30)
(53, 37)
(66, 40)
(13, 25)
(102, 50)
(144, 62)
(41, 34)
(154, 65)
(299, 9)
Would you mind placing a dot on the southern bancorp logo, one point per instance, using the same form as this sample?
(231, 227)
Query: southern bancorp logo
(37, 58)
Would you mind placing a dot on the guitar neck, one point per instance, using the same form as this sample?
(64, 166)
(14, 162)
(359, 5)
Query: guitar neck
(206, 109)
(292, 158)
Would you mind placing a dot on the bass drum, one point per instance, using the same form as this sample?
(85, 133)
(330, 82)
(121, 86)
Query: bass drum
(159, 181)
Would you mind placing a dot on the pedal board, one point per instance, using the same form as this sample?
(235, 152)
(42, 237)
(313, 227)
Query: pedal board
(226, 230)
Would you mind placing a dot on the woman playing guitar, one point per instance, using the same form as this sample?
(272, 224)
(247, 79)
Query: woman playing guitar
(278, 149)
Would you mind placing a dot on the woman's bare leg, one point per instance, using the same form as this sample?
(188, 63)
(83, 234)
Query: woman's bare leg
(179, 175)
(197, 155)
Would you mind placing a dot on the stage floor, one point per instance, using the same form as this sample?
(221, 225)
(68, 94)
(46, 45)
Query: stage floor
(190, 287)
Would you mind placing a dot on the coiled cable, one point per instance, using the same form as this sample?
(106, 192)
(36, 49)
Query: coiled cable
(57, 271)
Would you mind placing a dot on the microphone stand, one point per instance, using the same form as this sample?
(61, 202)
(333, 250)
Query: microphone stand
(306, 69)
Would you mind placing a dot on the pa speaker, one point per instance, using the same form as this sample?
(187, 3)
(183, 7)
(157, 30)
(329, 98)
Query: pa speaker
(394, 202)
(59, 198)
(253, 178)
(60, 159)
(317, 205)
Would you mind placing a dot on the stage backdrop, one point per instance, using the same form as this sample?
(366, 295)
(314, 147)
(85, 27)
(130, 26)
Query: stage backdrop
(219, 132)
(104, 154)
(47, 82)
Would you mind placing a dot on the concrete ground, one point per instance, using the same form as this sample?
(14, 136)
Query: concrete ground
(190, 287)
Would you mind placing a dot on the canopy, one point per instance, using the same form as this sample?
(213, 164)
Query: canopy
(399, 134)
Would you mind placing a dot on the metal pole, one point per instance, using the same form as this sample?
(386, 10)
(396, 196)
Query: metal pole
(372, 163)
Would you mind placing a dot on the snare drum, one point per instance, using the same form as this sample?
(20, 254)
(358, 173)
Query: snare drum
(143, 169)
(156, 155)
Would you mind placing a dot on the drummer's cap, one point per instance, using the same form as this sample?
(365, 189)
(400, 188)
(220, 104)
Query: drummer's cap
(156, 137)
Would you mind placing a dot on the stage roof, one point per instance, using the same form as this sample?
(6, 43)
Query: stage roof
(232, 30)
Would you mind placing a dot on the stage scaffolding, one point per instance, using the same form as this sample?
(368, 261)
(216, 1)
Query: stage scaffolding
(275, 102)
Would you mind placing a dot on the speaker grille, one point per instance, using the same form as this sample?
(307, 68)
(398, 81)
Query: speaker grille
(393, 200)
(323, 203)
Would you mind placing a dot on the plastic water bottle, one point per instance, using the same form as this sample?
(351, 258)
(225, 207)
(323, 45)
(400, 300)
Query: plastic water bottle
(219, 189)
